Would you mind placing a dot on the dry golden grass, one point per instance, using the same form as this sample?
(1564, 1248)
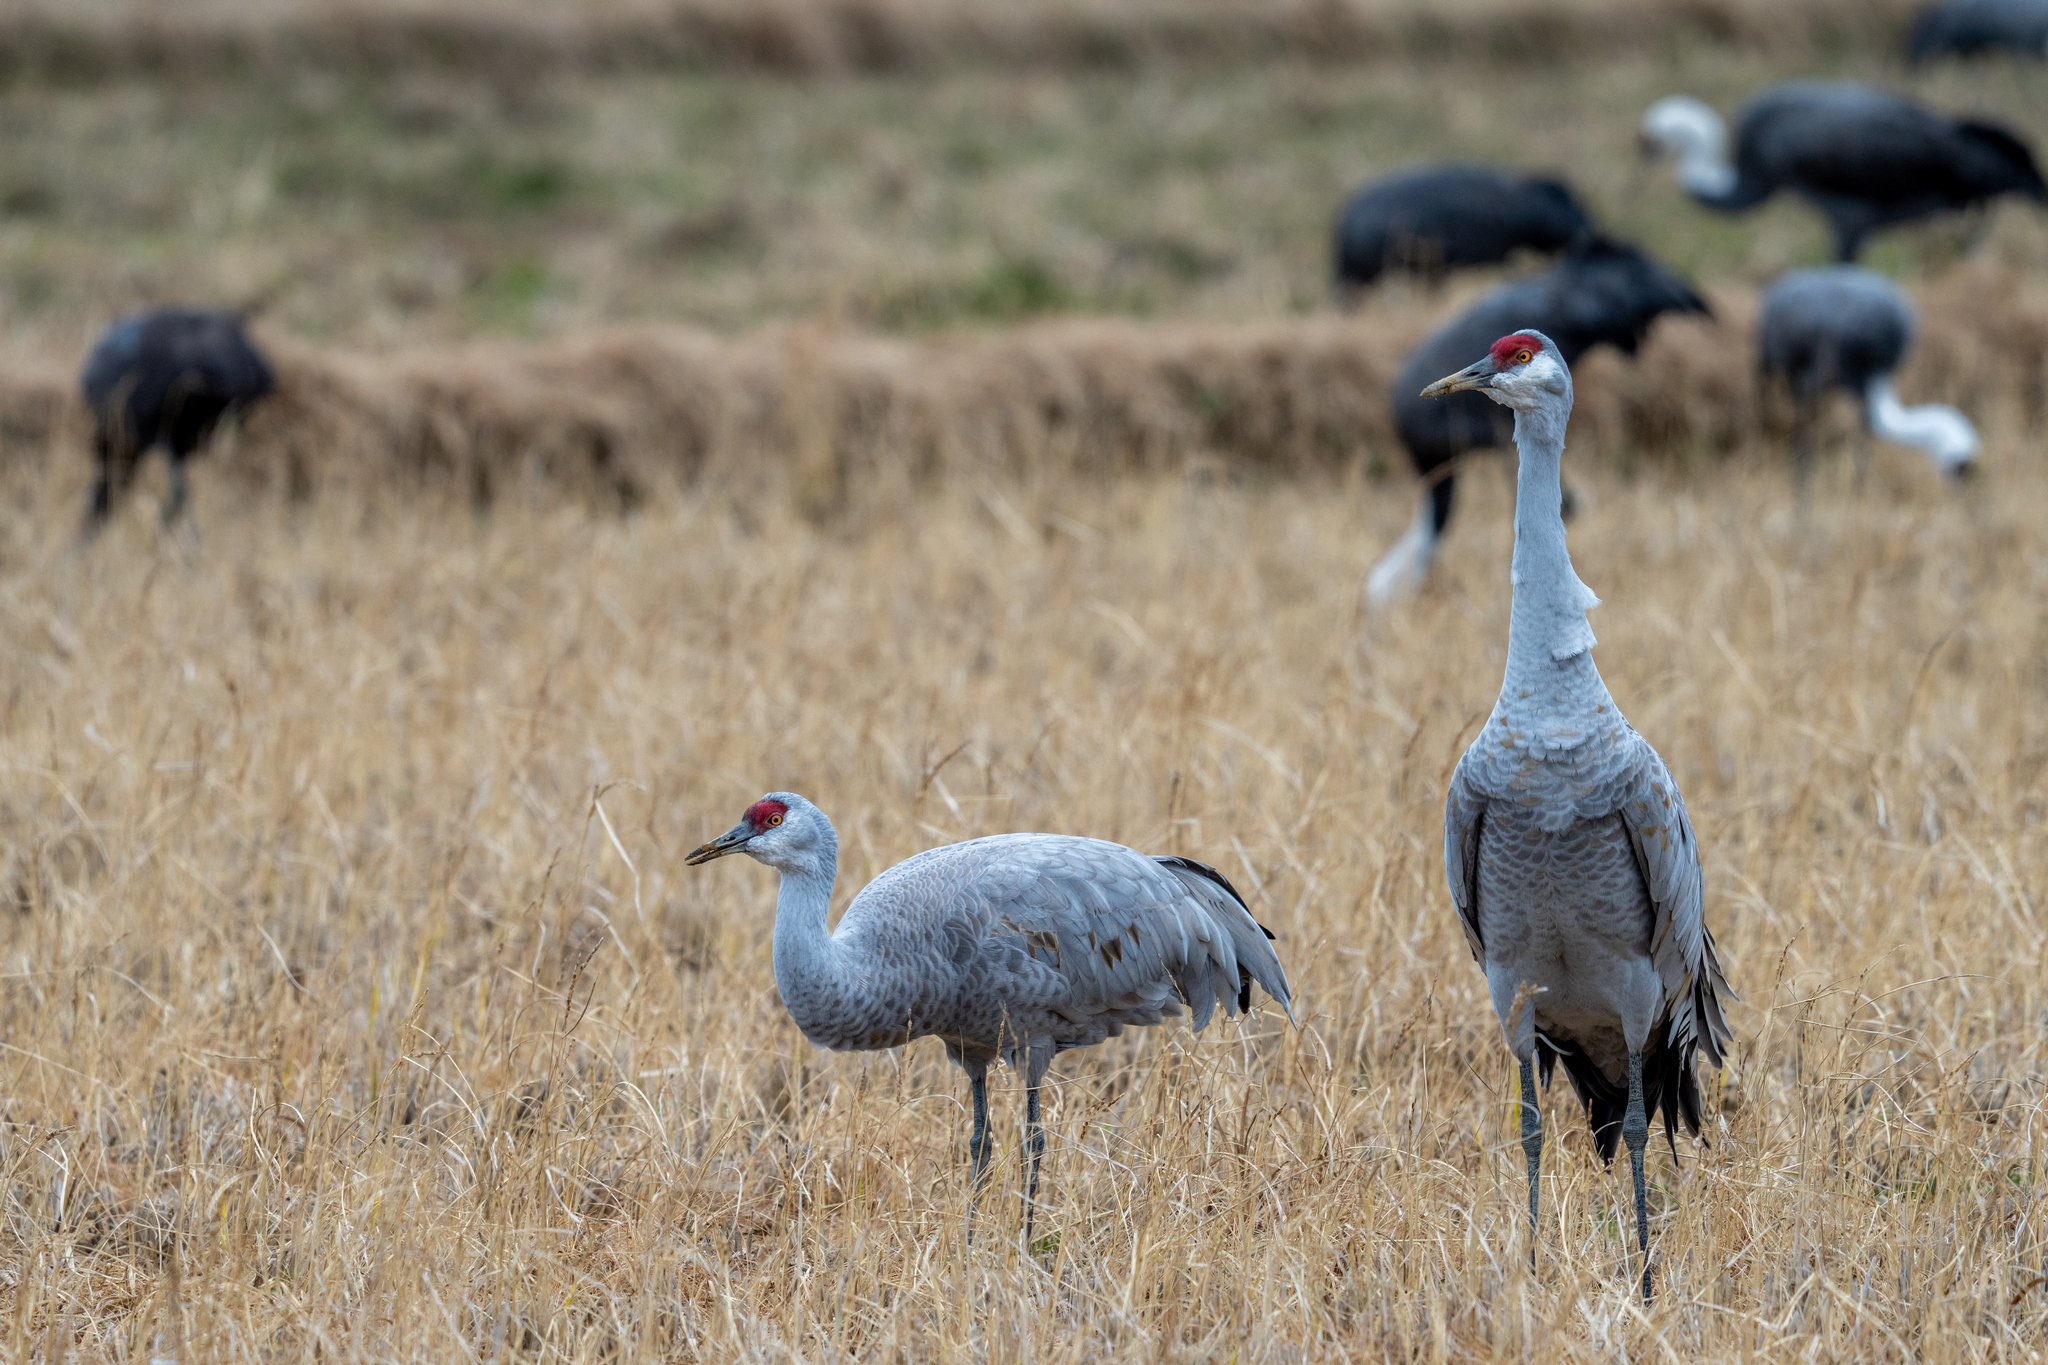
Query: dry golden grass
(847, 424)
(344, 1020)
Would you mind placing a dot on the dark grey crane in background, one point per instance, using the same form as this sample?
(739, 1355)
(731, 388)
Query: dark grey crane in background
(1865, 158)
(1604, 292)
(165, 378)
(1430, 220)
(1972, 28)
(1845, 327)
(1012, 947)
(1571, 859)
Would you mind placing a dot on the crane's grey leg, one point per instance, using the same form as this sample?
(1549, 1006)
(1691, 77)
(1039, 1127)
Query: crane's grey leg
(1635, 1131)
(980, 1143)
(181, 489)
(1036, 1062)
(1532, 1145)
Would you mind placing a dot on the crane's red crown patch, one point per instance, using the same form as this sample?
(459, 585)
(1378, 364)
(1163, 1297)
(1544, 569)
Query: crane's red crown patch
(1503, 351)
(758, 813)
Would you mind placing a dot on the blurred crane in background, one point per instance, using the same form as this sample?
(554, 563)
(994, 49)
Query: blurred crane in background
(1846, 327)
(165, 378)
(1865, 158)
(1604, 292)
(1971, 28)
(1012, 947)
(1431, 220)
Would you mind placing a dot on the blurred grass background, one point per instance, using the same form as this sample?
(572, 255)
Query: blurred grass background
(366, 209)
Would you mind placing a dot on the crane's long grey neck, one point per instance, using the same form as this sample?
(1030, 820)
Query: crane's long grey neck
(806, 960)
(1552, 692)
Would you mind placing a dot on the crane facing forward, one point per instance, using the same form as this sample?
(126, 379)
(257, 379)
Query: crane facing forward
(1604, 292)
(1011, 947)
(1866, 159)
(164, 377)
(1569, 853)
(1841, 326)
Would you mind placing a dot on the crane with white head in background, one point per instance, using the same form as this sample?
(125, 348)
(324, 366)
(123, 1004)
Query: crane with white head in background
(1013, 947)
(1846, 327)
(1865, 158)
(1571, 859)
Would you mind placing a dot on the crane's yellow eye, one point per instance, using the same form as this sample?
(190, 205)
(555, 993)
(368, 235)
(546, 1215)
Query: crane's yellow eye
(774, 819)
(1523, 356)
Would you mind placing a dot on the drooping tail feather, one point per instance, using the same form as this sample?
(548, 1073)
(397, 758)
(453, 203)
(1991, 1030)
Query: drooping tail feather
(1250, 941)
(1669, 1087)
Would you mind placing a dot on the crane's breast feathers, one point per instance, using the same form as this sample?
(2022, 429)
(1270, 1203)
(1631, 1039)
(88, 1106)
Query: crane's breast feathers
(1628, 780)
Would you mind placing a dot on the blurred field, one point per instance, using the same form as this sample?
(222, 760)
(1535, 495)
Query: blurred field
(338, 1024)
(415, 207)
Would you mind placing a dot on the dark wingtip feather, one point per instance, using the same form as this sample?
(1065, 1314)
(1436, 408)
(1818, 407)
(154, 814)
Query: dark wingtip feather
(1669, 1088)
(1204, 870)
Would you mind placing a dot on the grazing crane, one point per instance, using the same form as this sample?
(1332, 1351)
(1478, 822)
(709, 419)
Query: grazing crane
(1846, 327)
(1604, 292)
(1430, 220)
(1866, 159)
(1971, 28)
(1570, 856)
(1011, 947)
(165, 378)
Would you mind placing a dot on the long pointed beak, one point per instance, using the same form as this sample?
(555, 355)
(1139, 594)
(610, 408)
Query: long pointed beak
(732, 841)
(1478, 375)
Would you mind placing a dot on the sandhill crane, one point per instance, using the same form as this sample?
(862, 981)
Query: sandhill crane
(1604, 292)
(165, 378)
(1570, 855)
(1846, 327)
(1865, 158)
(1429, 220)
(1970, 28)
(1011, 947)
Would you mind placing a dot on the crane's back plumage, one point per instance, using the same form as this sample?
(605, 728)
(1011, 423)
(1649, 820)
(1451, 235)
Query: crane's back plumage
(1833, 326)
(1431, 219)
(1020, 940)
(157, 375)
(1970, 28)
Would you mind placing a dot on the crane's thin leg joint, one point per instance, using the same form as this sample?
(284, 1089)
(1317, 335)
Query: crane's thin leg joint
(1635, 1131)
(1532, 1145)
(1034, 1143)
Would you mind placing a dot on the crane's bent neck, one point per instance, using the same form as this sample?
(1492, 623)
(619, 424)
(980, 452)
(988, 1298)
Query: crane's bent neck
(1944, 435)
(1552, 695)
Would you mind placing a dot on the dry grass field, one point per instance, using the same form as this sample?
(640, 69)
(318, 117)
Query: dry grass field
(357, 1004)
(951, 425)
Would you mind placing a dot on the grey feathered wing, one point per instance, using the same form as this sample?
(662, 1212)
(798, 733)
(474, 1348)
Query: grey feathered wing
(1681, 948)
(1130, 937)
(1464, 817)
